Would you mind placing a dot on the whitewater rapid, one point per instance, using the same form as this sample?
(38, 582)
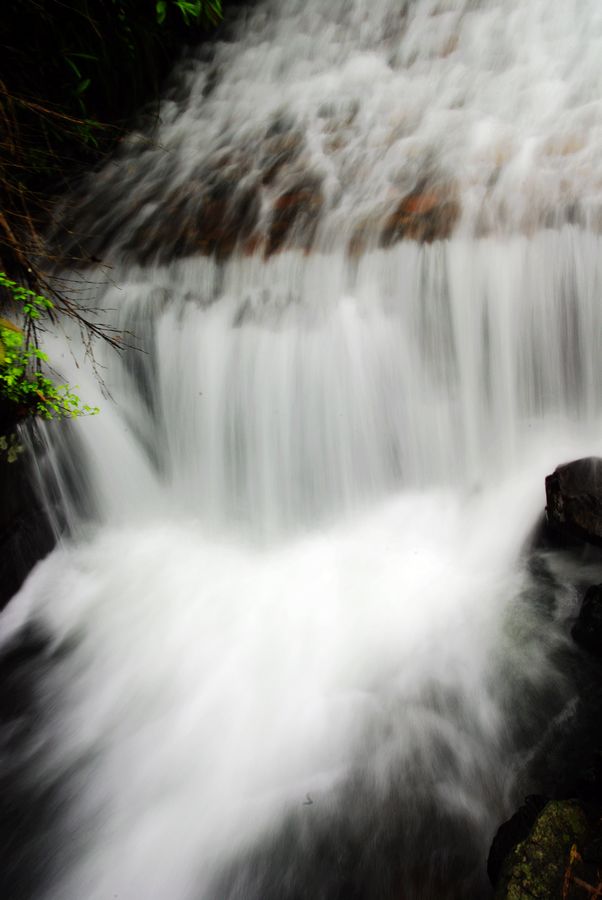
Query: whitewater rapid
(299, 645)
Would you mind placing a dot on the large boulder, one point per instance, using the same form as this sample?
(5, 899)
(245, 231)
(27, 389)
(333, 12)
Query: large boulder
(574, 500)
(540, 867)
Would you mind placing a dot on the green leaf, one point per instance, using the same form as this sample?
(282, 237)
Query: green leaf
(21, 380)
(90, 56)
(83, 86)
(73, 66)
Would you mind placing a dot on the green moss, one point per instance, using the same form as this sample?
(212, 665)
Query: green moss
(10, 447)
(535, 868)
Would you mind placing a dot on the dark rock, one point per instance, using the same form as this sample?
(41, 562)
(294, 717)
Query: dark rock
(536, 869)
(574, 500)
(546, 536)
(226, 217)
(511, 833)
(35, 837)
(587, 630)
(210, 215)
(26, 532)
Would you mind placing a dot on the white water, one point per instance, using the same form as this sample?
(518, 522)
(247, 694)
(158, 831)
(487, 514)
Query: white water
(312, 490)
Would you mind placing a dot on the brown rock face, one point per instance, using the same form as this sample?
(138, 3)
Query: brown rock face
(210, 219)
(262, 197)
(295, 217)
(574, 500)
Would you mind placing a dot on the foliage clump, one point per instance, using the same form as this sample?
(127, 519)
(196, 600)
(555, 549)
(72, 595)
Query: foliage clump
(22, 379)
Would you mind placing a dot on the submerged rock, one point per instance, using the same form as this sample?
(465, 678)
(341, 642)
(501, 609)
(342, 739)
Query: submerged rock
(574, 500)
(587, 630)
(540, 866)
(424, 215)
(295, 216)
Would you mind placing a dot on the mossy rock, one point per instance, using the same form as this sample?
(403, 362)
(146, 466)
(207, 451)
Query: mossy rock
(535, 869)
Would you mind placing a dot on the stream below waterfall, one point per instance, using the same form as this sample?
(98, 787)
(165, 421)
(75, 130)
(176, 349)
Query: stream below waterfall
(294, 642)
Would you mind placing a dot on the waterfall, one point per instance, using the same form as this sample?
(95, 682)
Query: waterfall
(296, 645)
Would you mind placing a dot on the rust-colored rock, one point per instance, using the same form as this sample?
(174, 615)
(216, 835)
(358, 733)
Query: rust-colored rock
(424, 215)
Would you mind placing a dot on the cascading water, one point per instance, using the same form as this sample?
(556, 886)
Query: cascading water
(293, 648)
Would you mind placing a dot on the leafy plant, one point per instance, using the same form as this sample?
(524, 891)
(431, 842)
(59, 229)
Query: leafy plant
(191, 10)
(22, 380)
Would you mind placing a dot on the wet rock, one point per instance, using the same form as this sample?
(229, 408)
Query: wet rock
(365, 235)
(545, 536)
(574, 500)
(426, 215)
(214, 214)
(259, 195)
(587, 630)
(209, 216)
(225, 219)
(537, 867)
(26, 533)
(295, 216)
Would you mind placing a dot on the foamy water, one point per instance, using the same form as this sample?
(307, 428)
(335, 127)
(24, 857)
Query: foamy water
(497, 103)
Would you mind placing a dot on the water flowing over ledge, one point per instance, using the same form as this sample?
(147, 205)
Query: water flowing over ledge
(272, 393)
(353, 124)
